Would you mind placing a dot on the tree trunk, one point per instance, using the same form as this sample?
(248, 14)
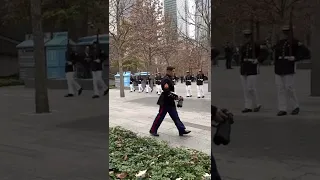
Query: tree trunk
(119, 52)
(41, 91)
(315, 43)
(121, 77)
(257, 31)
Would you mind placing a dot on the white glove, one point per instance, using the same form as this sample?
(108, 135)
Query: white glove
(255, 61)
(97, 60)
(70, 63)
(291, 58)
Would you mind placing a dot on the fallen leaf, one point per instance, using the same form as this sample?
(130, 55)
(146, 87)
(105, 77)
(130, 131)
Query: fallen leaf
(122, 175)
(141, 174)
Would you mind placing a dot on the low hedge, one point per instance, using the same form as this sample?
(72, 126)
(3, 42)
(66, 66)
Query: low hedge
(10, 82)
(131, 154)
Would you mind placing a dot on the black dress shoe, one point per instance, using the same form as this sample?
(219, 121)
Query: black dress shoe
(282, 113)
(69, 95)
(202, 96)
(199, 97)
(80, 91)
(246, 110)
(153, 133)
(106, 92)
(95, 96)
(184, 132)
(188, 96)
(257, 109)
(295, 111)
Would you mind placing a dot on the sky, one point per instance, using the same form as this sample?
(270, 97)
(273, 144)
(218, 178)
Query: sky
(191, 5)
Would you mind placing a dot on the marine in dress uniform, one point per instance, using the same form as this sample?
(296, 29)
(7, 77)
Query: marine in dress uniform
(188, 84)
(132, 80)
(158, 83)
(287, 53)
(96, 69)
(249, 70)
(228, 55)
(214, 54)
(148, 83)
(200, 79)
(167, 104)
(71, 57)
(139, 78)
(86, 63)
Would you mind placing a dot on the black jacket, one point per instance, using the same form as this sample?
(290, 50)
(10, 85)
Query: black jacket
(247, 66)
(188, 80)
(200, 79)
(167, 97)
(214, 53)
(148, 80)
(132, 80)
(97, 66)
(139, 79)
(282, 66)
(71, 59)
(158, 80)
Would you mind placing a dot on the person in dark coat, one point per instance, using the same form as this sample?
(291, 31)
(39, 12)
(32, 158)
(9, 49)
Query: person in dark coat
(167, 104)
(216, 116)
(96, 64)
(228, 55)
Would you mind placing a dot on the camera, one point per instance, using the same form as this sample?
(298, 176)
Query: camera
(222, 135)
(180, 102)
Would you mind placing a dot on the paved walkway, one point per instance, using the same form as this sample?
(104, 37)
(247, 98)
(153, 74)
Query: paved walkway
(263, 147)
(137, 111)
(68, 144)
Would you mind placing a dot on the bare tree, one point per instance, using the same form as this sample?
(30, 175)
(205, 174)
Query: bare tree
(120, 29)
(168, 42)
(201, 20)
(41, 91)
(147, 21)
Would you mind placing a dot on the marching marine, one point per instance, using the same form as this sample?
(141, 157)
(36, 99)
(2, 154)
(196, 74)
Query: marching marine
(132, 81)
(287, 53)
(139, 79)
(200, 79)
(158, 83)
(71, 57)
(188, 84)
(252, 54)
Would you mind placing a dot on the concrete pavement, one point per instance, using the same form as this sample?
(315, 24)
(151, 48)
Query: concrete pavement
(68, 144)
(137, 111)
(263, 145)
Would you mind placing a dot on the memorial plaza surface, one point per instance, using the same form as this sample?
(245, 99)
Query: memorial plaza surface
(263, 146)
(71, 142)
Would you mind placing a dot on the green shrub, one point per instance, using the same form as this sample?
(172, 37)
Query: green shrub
(10, 82)
(130, 154)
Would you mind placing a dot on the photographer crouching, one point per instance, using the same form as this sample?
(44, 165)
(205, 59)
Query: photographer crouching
(221, 119)
(167, 104)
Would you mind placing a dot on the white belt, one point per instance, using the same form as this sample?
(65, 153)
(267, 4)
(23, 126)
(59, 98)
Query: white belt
(200, 79)
(284, 57)
(188, 80)
(246, 59)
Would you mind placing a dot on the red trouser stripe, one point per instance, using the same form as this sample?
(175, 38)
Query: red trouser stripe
(156, 120)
